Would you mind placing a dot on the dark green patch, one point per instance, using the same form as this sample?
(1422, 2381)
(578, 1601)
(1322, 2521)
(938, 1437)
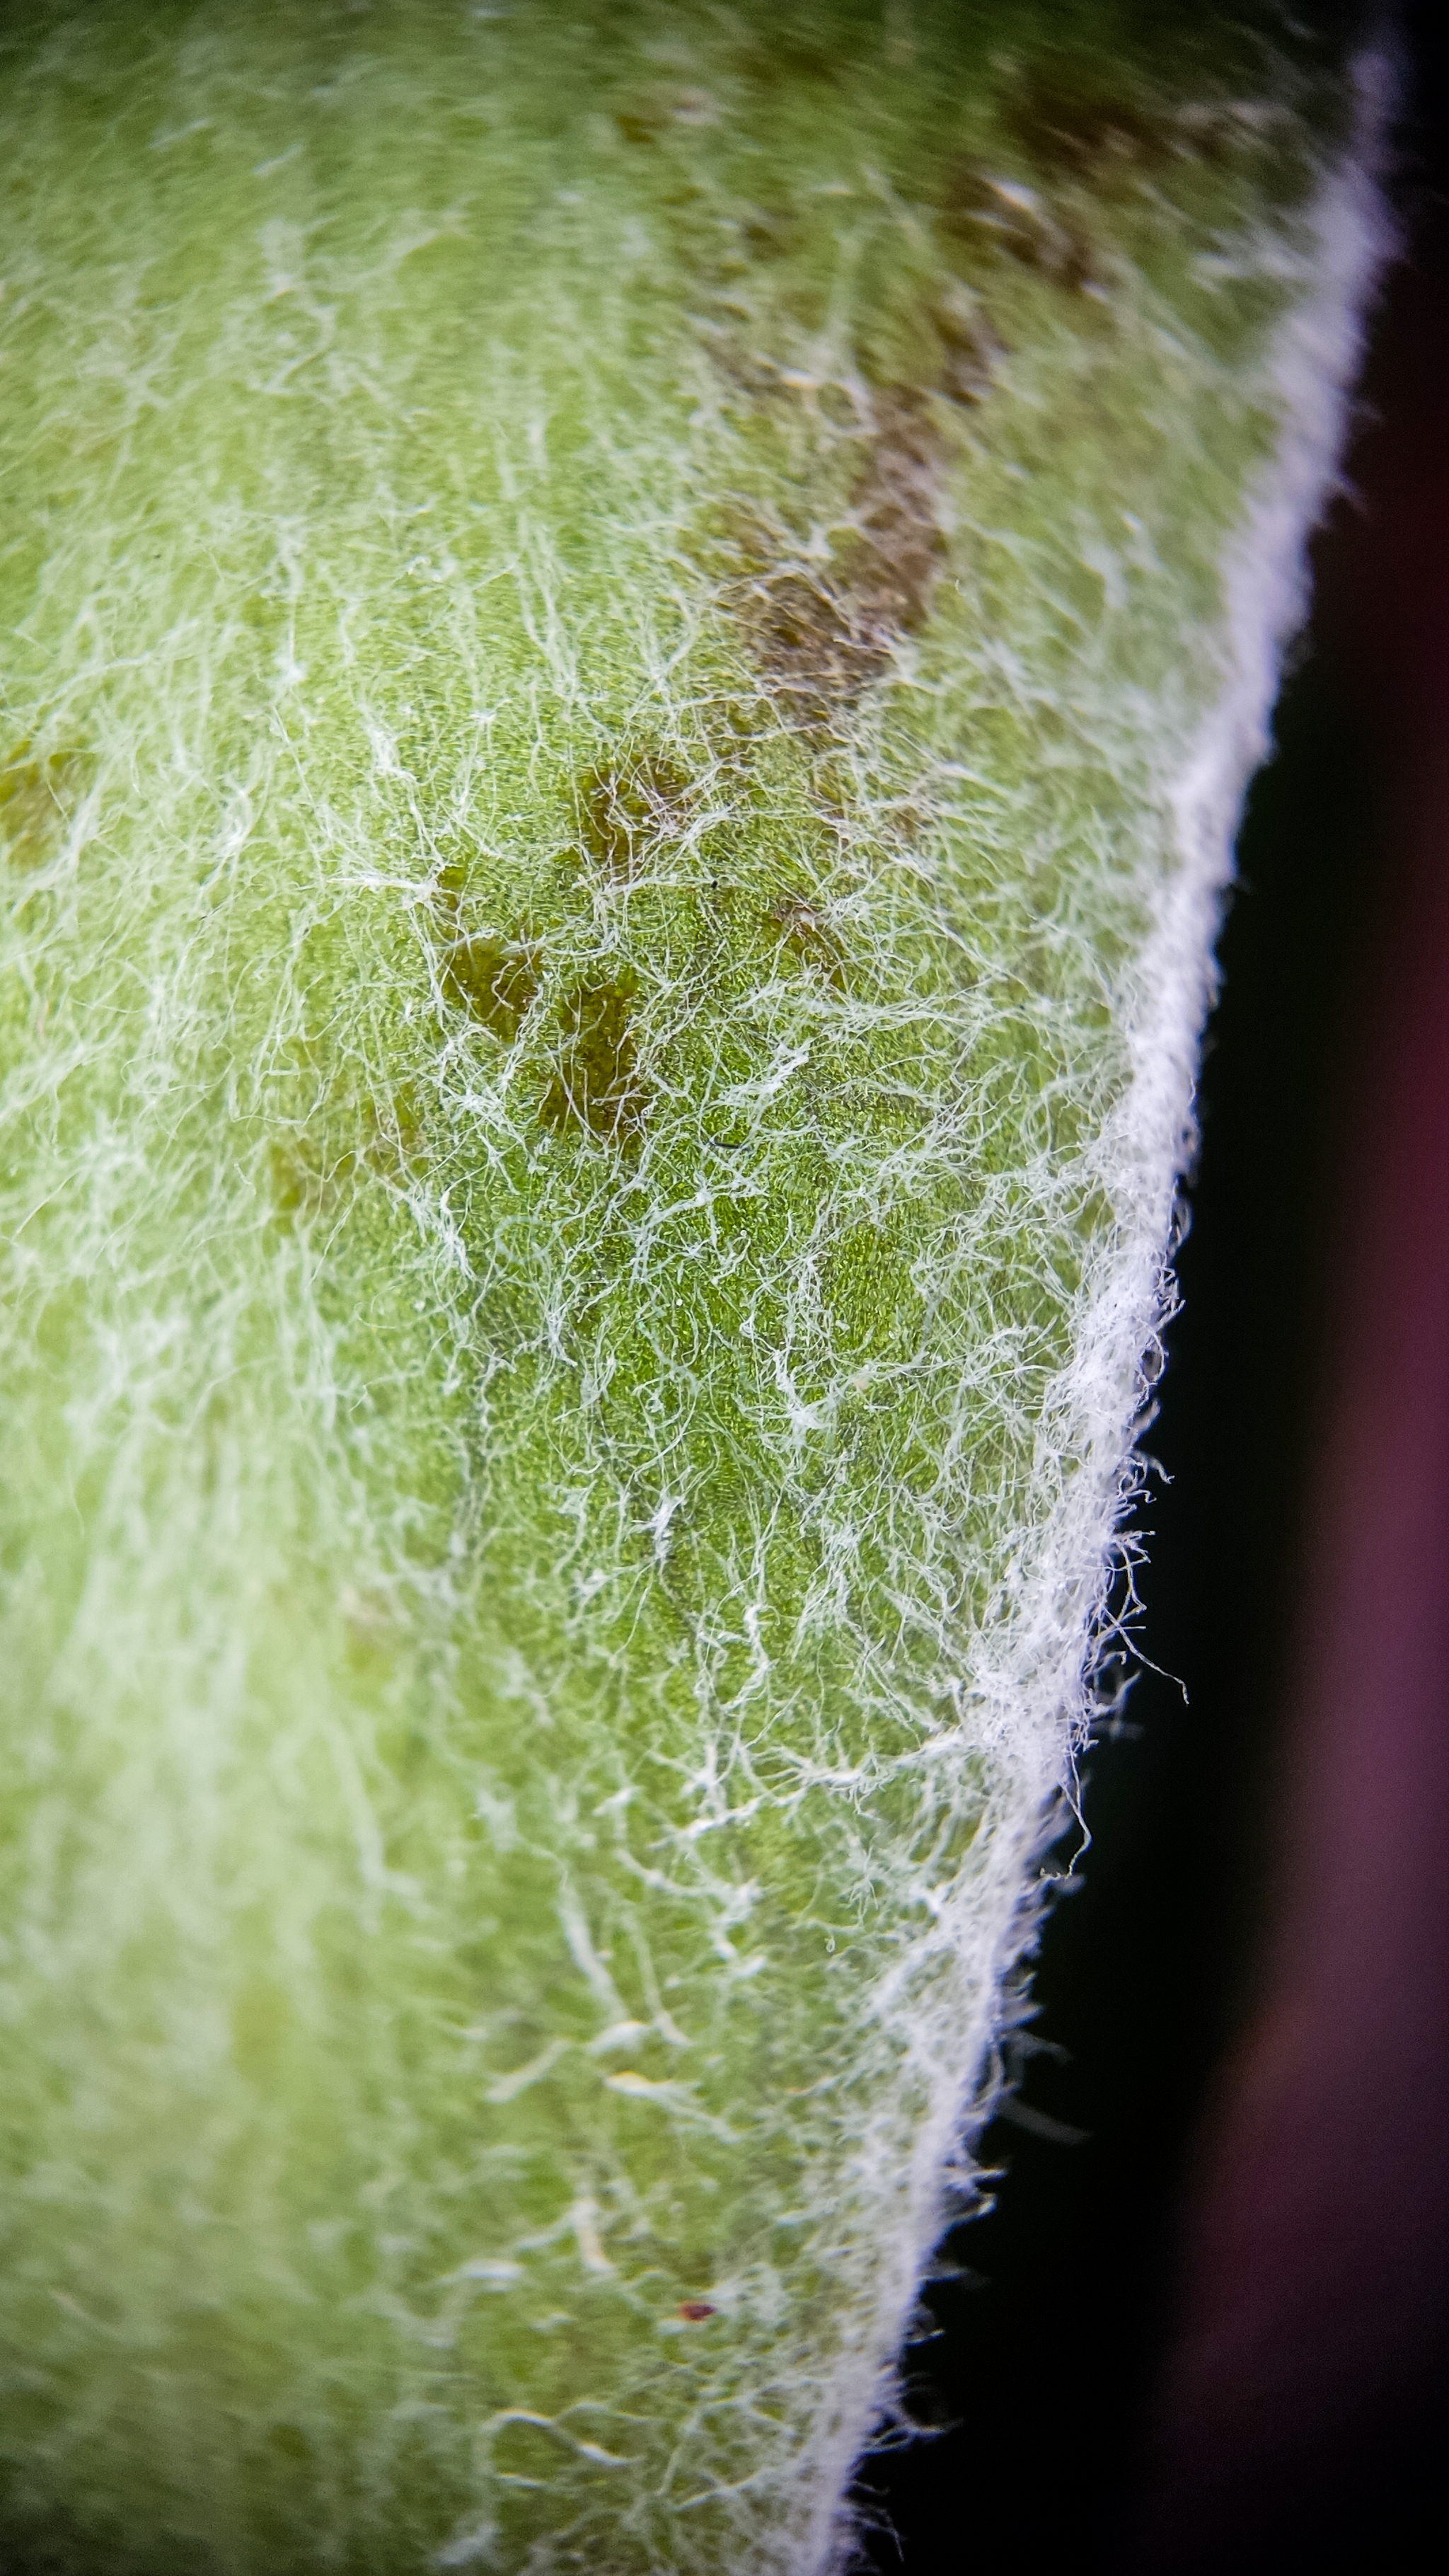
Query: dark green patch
(395, 1136)
(319, 1164)
(452, 885)
(495, 980)
(596, 1083)
(626, 807)
(307, 1180)
(32, 790)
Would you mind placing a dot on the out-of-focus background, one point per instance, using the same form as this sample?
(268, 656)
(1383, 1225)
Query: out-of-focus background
(1206, 2322)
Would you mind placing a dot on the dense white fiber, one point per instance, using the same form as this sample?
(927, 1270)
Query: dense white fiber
(1040, 1668)
(632, 638)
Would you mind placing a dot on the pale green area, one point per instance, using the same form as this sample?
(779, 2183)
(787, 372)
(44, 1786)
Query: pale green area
(492, 1611)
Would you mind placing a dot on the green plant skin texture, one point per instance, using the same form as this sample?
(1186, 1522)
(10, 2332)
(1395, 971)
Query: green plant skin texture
(602, 608)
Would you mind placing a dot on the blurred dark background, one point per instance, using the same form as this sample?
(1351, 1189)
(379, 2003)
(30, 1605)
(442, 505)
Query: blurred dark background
(1129, 2376)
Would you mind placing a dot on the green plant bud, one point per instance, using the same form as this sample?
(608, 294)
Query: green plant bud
(631, 637)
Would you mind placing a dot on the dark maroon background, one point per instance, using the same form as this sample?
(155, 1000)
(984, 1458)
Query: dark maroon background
(1213, 2331)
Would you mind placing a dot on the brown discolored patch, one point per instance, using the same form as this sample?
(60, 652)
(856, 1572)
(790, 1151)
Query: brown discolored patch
(897, 544)
(694, 2311)
(822, 637)
(32, 790)
(625, 806)
(970, 347)
(494, 979)
(787, 54)
(767, 232)
(1003, 214)
(647, 115)
(802, 930)
(596, 1083)
(643, 119)
(756, 379)
(1073, 126)
(805, 640)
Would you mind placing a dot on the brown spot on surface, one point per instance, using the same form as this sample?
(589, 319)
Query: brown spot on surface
(648, 115)
(694, 2311)
(643, 120)
(757, 379)
(495, 980)
(787, 54)
(767, 233)
(822, 637)
(596, 1082)
(893, 562)
(625, 806)
(969, 346)
(803, 930)
(806, 641)
(1077, 128)
(1003, 214)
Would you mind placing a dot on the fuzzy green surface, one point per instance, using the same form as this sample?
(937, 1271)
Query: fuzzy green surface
(595, 621)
